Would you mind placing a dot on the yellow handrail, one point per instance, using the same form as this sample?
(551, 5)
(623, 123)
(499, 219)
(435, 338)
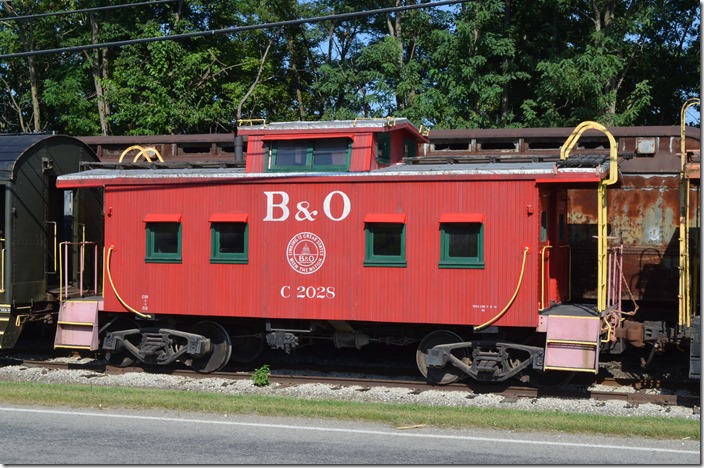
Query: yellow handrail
(114, 290)
(577, 133)
(83, 252)
(513, 298)
(251, 122)
(542, 276)
(142, 152)
(102, 293)
(61, 279)
(683, 117)
(685, 287)
(390, 120)
(602, 221)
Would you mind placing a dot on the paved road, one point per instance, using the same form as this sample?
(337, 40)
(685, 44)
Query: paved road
(36, 435)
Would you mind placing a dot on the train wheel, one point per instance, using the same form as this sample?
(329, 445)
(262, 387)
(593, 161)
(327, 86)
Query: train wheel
(120, 358)
(444, 375)
(221, 347)
(247, 348)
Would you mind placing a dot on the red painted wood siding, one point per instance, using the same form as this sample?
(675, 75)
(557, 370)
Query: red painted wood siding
(418, 293)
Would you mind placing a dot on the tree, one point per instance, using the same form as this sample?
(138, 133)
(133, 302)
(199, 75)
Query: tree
(495, 63)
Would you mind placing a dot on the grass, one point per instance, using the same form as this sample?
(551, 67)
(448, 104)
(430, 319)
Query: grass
(397, 415)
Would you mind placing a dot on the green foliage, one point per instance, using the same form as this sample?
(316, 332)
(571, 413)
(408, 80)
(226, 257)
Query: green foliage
(480, 64)
(260, 376)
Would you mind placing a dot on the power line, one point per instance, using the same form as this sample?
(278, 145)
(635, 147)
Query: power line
(318, 19)
(85, 10)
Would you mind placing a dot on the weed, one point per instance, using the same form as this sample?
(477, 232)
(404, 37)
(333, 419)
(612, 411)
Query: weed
(260, 377)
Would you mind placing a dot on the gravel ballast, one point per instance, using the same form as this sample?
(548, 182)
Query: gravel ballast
(432, 397)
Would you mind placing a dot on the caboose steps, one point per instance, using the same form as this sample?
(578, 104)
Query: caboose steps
(573, 336)
(77, 327)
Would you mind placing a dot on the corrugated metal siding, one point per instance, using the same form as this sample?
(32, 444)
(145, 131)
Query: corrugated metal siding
(419, 293)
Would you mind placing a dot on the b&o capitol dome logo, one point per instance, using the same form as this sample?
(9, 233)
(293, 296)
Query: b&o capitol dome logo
(305, 253)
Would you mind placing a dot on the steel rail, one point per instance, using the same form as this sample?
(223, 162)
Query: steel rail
(510, 393)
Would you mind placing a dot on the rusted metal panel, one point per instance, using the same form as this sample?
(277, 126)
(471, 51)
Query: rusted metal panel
(643, 214)
(692, 171)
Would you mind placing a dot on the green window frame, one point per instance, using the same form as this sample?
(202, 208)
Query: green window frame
(317, 155)
(164, 239)
(383, 148)
(229, 238)
(385, 240)
(462, 241)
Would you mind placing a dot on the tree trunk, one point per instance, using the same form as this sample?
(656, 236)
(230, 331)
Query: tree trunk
(36, 113)
(296, 76)
(254, 83)
(394, 25)
(99, 69)
(27, 39)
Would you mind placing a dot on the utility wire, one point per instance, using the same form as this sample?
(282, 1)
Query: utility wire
(318, 19)
(85, 10)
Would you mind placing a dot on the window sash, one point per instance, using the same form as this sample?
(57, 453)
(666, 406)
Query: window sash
(461, 245)
(385, 244)
(327, 154)
(229, 242)
(163, 242)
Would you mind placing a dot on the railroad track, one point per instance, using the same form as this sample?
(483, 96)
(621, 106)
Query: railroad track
(639, 392)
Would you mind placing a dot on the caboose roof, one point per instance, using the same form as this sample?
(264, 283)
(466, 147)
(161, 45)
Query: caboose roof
(539, 171)
(333, 126)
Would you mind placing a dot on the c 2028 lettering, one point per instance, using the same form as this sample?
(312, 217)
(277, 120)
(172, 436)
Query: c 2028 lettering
(308, 292)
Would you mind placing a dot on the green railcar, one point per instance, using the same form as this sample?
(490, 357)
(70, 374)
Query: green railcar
(43, 230)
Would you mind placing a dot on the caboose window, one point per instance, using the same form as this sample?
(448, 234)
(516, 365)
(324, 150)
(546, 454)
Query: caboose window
(385, 243)
(326, 154)
(461, 240)
(383, 148)
(163, 242)
(229, 242)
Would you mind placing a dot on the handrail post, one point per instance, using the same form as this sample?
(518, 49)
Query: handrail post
(685, 286)
(602, 219)
(80, 271)
(65, 251)
(95, 270)
(542, 276)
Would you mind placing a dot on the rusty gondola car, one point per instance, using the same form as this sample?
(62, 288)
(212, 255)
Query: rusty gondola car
(344, 231)
(653, 212)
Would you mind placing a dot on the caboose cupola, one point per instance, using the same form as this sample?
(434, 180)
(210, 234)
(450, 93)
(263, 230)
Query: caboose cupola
(337, 146)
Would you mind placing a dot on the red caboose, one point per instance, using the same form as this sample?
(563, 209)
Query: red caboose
(328, 234)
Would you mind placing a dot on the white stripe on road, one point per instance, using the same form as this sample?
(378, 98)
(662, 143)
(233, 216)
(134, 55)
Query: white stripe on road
(353, 431)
